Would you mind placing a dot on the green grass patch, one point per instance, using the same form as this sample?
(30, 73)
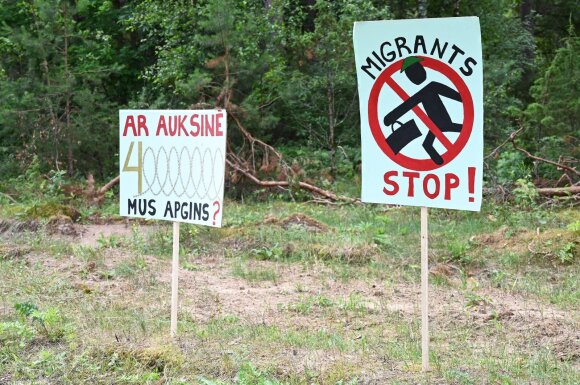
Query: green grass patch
(253, 273)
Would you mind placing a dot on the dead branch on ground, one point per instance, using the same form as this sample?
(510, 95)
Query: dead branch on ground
(97, 196)
(559, 191)
(303, 185)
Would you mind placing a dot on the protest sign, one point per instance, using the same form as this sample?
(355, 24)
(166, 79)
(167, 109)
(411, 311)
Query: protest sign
(172, 165)
(420, 88)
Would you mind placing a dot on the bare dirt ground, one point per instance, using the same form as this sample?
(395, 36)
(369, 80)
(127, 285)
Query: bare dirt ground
(210, 290)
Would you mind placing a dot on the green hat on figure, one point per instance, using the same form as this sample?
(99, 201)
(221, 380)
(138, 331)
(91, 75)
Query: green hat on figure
(409, 61)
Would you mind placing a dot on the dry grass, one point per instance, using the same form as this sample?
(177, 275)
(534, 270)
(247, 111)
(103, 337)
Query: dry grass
(319, 308)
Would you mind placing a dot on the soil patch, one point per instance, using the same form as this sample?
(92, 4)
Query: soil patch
(300, 221)
(8, 226)
(209, 290)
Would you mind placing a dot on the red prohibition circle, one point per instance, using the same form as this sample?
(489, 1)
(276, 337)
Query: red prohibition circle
(467, 125)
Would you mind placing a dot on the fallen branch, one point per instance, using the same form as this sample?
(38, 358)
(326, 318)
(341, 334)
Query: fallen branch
(98, 195)
(559, 191)
(303, 185)
(109, 185)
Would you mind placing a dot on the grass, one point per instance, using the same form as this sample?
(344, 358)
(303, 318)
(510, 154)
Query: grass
(310, 304)
(253, 273)
(337, 306)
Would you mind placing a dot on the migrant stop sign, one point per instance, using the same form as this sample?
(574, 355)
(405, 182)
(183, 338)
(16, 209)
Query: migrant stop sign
(421, 105)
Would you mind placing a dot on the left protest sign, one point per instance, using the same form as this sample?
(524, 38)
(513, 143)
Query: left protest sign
(172, 165)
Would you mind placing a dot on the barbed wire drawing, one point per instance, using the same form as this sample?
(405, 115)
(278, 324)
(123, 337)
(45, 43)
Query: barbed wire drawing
(197, 175)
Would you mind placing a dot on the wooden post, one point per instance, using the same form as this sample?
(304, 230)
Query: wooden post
(424, 289)
(174, 279)
(424, 261)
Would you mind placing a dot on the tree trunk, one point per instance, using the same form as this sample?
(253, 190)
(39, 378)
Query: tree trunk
(422, 8)
(526, 8)
(331, 126)
(67, 111)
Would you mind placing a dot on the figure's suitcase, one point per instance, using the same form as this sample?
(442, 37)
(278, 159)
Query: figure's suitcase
(402, 136)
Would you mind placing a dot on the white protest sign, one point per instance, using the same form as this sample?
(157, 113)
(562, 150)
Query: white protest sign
(172, 165)
(420, 88)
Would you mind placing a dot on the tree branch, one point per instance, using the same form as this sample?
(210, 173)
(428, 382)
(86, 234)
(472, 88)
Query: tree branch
(303, 185)
(109, 185)
(512, 139)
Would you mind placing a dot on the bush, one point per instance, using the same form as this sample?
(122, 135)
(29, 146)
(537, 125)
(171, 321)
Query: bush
(511, 166)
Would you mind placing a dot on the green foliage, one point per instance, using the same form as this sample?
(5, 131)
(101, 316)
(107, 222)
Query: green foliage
(15, 333)
(354, 303)
(31, 185)
(506, 60)
(574, 227)
(567, 253)
(273, 253)
(474, 300)
(57, 64)
(308, 304)
(25, 309)
(511, 166)
(525, 194)
(144, 242)
(49, 324)
(110, 242)
(552, 118)
(284, 68)
(459, 251)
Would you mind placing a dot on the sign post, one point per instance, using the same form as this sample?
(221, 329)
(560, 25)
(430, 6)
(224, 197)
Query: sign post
(174, 280)
(420, 85)
(424, 289)
(172, 167)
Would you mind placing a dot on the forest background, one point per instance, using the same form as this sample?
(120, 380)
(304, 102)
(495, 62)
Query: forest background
(285, 71)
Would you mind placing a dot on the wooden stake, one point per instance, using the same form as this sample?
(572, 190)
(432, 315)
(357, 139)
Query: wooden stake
(424, 289)
(174, 279)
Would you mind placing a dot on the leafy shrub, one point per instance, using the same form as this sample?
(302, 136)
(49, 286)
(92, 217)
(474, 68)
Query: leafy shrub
(15, 333)
(274, 253)
(567, 253)
(49, 323)
(574, 227)
(510, 167)
(458, 252)
(525, 194)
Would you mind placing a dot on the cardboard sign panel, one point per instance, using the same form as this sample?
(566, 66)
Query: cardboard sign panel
(420, 86)
(172, 165)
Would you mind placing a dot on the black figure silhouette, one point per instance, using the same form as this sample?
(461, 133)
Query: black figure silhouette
(430, 97)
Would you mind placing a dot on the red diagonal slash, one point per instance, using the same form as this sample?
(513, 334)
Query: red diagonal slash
(421, 114)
